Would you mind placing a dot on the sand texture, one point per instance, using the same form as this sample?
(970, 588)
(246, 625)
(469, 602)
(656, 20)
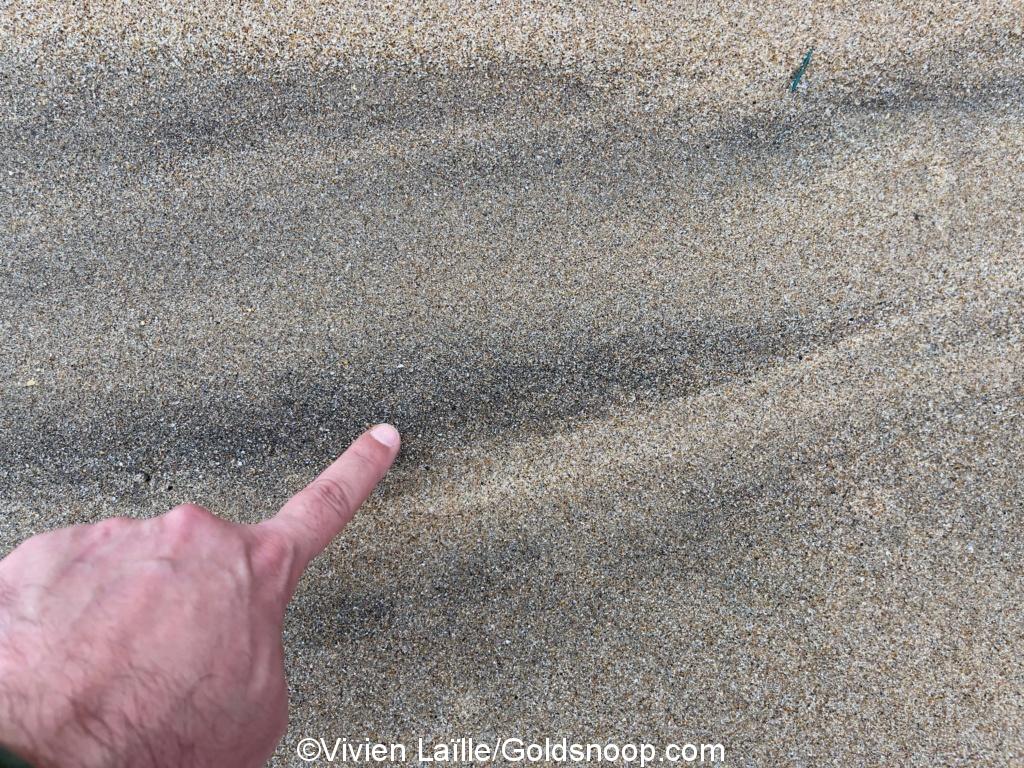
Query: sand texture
(711, 392)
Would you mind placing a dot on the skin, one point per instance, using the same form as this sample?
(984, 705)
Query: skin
(158, 642)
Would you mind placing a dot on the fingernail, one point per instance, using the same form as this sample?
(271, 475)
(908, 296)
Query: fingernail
(385, 434)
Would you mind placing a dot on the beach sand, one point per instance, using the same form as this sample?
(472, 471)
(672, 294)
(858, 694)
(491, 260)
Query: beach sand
(710, 391)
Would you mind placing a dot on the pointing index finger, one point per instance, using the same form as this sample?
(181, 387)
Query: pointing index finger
(317, 513)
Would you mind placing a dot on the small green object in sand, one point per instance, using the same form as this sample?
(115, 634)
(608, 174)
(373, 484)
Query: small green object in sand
(800, 71)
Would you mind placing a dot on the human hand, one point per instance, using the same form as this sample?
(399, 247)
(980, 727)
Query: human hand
(158, 642)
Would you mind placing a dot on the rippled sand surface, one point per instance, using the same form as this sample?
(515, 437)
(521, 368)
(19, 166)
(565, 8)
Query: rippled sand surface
(711, 390)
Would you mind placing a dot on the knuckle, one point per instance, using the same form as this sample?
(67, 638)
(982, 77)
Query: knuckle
(188, 515)
(334, 495)
(185, 520)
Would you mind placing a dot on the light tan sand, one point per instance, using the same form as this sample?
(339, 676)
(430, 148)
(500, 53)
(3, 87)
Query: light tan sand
(711, 392)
